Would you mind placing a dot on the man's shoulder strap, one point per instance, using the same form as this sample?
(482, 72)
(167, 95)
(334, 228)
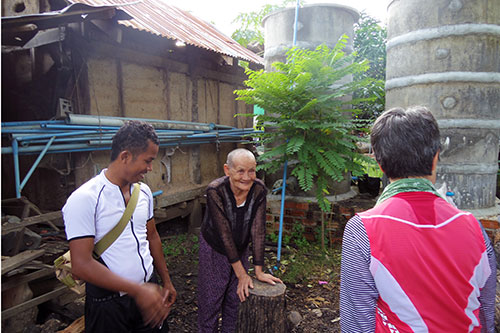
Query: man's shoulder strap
(113, 234)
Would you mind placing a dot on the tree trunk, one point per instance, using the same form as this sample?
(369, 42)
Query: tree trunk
(264, 310)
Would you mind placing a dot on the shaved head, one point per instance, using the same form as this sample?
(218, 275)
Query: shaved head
(237, 154)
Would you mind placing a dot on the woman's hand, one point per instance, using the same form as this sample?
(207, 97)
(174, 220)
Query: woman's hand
(264, 277)
(244, 282)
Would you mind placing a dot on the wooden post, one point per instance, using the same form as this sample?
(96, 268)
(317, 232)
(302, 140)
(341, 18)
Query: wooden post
(264, 310)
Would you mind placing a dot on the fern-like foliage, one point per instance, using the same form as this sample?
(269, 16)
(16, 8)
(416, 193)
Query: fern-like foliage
(309, 115)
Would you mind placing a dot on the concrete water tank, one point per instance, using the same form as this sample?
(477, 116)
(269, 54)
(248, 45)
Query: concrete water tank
(317, 24)
(445, 54)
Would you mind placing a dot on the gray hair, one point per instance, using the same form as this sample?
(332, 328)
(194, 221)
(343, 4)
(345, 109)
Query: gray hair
(237, 153)
(405, 141)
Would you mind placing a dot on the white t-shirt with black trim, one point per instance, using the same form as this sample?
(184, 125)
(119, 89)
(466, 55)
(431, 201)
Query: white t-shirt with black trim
(95, 208)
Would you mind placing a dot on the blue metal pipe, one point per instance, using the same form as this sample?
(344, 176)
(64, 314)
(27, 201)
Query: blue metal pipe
(81, 127)
(15, 155)
(32, 143)
(65, 134)
(35, 164)
(75, 147)
(280, 233)
(295, 24)
(32, 122)
(157, 193)
(22, 131)
(282, 211)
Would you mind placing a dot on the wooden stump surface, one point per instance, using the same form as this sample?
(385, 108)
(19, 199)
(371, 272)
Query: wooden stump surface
(264, 310)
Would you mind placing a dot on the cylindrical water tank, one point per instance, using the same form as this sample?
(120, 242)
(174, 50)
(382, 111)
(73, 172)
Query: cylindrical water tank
(445, 54)
(317, 24)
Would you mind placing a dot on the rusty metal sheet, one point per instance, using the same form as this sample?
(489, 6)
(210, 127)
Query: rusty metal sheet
(162, 19)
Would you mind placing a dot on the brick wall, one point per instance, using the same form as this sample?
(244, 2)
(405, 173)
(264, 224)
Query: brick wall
(308, 214)
(492, 228)
(297, 210)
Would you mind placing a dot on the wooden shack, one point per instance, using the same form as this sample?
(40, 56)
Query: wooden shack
(141, 60)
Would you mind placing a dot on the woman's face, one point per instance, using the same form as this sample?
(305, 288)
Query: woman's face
(241, 174)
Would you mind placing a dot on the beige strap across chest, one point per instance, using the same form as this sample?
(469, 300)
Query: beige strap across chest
(113, 234)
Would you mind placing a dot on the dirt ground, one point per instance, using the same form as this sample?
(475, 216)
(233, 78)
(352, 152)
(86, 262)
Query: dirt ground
(317, 304)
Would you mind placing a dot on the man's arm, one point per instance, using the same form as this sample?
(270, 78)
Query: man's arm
(488, 292)
(155, 248)
(84, 266)
(358, 293)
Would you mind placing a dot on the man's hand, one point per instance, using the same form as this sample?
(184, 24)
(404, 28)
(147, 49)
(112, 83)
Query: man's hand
(169, 294)
(244, 282)
(150, 301)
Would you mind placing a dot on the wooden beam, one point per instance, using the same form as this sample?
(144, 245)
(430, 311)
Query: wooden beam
(33, 302)
(176, 198)
(172, 212)
(78, 326)
(20, 259)
(43, 218)
(15, 281)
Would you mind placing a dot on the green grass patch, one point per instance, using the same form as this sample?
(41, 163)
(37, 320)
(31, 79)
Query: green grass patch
(182, 244)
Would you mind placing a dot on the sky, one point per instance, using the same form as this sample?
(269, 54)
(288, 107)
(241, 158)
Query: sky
(222, 12)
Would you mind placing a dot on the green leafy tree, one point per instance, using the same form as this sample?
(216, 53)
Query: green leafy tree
(370, 39)
(308, 103)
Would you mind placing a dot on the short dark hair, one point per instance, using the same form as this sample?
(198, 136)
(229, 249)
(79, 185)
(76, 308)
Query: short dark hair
(133, 136)
(405, 141)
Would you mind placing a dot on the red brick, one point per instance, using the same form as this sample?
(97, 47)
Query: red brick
(296, 205)
(346, 210)
(309, 223)
(490, 224)
(301, 213)
(359, 209)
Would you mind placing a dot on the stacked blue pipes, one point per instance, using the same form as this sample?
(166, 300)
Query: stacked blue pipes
(79, 133)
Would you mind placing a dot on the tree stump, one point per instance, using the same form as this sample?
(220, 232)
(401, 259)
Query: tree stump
(264, 310)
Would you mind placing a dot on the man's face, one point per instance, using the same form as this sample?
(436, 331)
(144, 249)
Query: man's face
(241, 173)
(140, 164)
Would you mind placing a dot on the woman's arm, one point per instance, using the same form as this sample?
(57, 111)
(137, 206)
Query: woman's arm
(258, 242)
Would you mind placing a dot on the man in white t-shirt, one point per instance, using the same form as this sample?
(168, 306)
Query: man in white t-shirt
(121, 293)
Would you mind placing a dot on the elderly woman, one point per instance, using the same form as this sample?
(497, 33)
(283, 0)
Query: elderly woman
(236, 213)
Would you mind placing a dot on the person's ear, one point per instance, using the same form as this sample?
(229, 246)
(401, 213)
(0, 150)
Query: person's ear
(226, 170)
(125, 156)
(435, 161)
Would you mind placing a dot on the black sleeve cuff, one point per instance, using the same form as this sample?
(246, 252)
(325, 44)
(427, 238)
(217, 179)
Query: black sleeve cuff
(233, 260)
(80, 237)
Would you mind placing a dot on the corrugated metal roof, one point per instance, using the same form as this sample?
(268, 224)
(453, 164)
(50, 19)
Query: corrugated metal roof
(159, 18)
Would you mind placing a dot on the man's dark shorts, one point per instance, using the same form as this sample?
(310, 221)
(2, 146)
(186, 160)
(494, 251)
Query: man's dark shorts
(107, 311)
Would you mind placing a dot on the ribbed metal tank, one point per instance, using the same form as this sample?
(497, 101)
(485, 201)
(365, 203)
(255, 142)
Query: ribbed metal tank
(445, 54)
(317, 24)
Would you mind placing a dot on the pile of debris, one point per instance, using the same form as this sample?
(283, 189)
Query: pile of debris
(31, 240)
